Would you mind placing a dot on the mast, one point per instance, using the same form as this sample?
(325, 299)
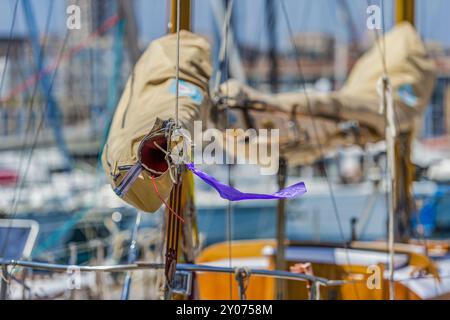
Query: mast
(403, 199)
(280, 263)
(271, 17)
(280, 259)
(219, 10)
(399, 167)
(405, 11)
(54, 113)
(342, 44)
(183, 188)
(126, 13)
(185, 15)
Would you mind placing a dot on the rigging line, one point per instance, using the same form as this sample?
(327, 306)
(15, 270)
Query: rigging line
(388, 178)
(172, 211)
(22, 76)
(30, 154)
(86, 209)
(223, 46)
(259, 49)
(8, 49)
(396, 119)
(229, 205)
(382, 50)
(180, 210)
(270, 22)
(18, 186)
(230, 232)
(132, 256)
(177, 90)
(38, 65)
(384, 65)
(384, 36)
(224, 68)
(382, 53)
(316, 133)
(108, 24)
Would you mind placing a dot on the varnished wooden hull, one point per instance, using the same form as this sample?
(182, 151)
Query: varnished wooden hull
(257, 254)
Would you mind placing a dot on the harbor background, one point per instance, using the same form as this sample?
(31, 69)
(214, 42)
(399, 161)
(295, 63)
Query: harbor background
(80, 218)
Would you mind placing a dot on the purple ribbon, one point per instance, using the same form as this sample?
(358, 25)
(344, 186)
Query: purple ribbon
(232, 194)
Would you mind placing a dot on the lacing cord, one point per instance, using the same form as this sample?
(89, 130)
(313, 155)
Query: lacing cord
(242, 276)
(170, 165)
(164, 201)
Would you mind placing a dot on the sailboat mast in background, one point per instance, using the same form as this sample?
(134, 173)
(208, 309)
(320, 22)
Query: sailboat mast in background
(403, 168)
(399, 166)
(185, 15)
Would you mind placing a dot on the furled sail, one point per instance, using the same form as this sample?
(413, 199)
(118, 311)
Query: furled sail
(132, 156)
(411, 73)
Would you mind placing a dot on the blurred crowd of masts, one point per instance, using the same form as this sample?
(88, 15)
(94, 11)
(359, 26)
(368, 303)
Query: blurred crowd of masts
(82, 84)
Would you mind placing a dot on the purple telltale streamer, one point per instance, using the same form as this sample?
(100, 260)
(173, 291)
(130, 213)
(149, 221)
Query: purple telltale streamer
(232, 194)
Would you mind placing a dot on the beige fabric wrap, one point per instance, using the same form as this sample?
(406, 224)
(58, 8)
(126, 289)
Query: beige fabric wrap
(147, 97)
(407, 65)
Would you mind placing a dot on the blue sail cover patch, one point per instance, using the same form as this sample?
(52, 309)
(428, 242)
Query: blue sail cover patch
(407, 95)
(187, 89)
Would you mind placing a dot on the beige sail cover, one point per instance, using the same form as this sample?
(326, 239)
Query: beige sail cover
(149, 99)
(411, 73)
(149, 96)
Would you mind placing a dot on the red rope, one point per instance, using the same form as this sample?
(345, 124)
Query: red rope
(164, 201)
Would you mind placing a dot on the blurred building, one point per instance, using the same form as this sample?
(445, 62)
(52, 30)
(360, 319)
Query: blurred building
(17, 61)
(314, 46)
(15, 69)
(437, 116)
(447, 109)
(88, 71)
(317, 57)
(82, 82)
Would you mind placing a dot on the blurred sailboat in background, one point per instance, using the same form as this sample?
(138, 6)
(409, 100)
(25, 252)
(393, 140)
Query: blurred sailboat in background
(339, 227)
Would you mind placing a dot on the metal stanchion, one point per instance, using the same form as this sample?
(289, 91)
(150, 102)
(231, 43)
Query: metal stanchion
(4, 283)
(281, 231)
(314, 291)
(242, 275)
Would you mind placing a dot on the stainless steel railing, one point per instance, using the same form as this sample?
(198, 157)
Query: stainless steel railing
(315, 282)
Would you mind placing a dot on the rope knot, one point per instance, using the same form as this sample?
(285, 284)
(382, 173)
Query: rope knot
(242, 276)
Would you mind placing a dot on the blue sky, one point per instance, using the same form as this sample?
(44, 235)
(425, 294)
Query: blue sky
(433, 18)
